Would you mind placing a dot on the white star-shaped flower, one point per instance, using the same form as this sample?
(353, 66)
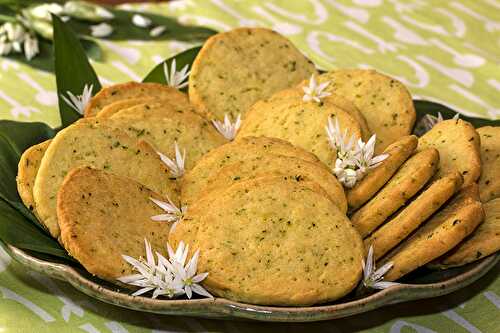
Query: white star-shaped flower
(176, 166)
(174, 78)
(79, 102)
(30, 47)
(314, 92)
(172, 212)
(227, 128)
(101, 30)
(372, 277)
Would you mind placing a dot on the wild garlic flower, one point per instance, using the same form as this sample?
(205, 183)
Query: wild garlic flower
(227, 128)
(168, 277)
(429, 121)
(79, 102)
(372, 277)
(157, 31)
(176, 166)
(101, 30)
(314, 92)
(30, 47)
(365, 160)
(44, 11)
(14, 37)
(141, 21)
(172, 212)
(174, 78)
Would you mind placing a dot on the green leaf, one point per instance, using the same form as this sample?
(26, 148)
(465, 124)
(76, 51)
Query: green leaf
(184, 58)
(92, 49)
(73, 70)
(24, 135)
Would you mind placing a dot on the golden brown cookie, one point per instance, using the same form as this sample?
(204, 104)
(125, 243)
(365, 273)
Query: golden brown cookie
(459, 148)
(412, 216)
(408, 180)
(438, 235)
(489, 182)
(365, 189)
(268, 63)
(117, 106)
(103, 216)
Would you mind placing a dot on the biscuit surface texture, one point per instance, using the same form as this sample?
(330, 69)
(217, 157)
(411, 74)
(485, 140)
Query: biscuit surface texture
(103, 216)
(269, 63)
(489, 182)
(119, 105)
(89, 143)
(459, 148)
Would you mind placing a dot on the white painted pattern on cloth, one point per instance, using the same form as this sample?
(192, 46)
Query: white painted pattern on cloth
(41, 313)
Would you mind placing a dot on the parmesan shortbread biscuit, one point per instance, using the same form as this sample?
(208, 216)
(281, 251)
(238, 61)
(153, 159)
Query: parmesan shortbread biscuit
(301, 123)
(27, 170)
(408, 180)
(438, 235)
(485, 240)
(129, 90)
(252, 168)
(103, 216)
(365, 189)
(260, 243)
(489, 182)
(268, 63)
(195, 180)
(385, 102)
(162, 127)
(412, 216)
(119, 105)
(90, 143)
(459, 148)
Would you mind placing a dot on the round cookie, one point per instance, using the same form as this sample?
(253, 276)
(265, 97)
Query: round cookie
(133, 90)
(408, 180)
(385, 102)
(252, 168)
(27, 170)
(485, 240)
(260, 244)
(412, 216)
(103, 216)
(117, 106)
(195, 180)
(162, 126)
(301, 123)
(459, 148)
(237, 68)
(90, 143)
(437, 236)
(489, 182)
(365, 189)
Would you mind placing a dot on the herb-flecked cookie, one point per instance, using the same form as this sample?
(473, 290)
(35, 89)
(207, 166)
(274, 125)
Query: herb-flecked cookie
(489, 182)
(261, 244)
(408, 180)
(301, 123)
(194, 181)
(162, 126)
(439, 235)
(117, 106)
(268, 63)
(459, 148)
(252, 168)
(365, 189)
(385, 102)
(412, 216)
(131, 90)
(27, 170)
(485, 240)
(90, 143)
(103, 216)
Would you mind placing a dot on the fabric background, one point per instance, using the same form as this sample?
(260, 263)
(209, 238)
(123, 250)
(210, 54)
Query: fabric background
(445, 51)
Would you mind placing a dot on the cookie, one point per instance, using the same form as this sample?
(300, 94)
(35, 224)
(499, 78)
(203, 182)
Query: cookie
(489, 182)
(131, 90)
(27, 170)
(365, 189)
(162, 126)
(301, 123)
(237, 68)
(195, 180)
(90, 143)
(119, 105)
(412, 216)
(252, 168)
(103, 216)
(485, 240)
(437, 236)
(408, 180)
(385, 102)
(260, 244)
(459, 148)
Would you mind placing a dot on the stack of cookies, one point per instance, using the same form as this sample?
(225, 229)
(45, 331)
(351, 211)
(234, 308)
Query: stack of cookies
(272, 222)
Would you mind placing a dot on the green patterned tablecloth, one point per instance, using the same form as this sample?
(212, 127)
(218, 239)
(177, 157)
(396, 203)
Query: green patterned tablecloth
(446, 51)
